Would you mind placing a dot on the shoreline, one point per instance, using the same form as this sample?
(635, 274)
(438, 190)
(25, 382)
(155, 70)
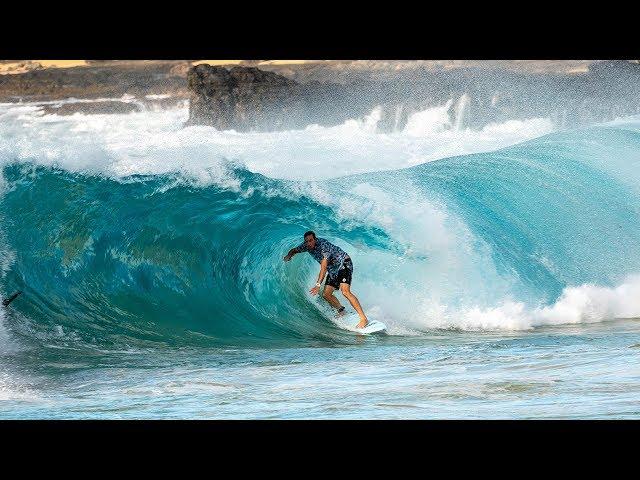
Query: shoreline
(401, 87)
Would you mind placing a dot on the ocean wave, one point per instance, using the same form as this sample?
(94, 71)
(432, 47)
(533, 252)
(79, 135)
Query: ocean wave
(152, 237)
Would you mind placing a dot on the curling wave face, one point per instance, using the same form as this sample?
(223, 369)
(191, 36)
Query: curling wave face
(137, 243)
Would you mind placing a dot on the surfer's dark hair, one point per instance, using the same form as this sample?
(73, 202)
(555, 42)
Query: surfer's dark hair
(310, 232)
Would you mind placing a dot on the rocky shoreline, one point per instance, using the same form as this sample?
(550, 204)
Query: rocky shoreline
(103, 87)
(283, 97)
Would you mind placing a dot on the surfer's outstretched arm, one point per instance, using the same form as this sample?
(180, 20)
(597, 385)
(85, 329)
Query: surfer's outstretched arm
(290, 255)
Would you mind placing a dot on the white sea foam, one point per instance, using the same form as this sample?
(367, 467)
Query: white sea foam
(4, 338)
(579, 304)
(156, 142)
(12, 388)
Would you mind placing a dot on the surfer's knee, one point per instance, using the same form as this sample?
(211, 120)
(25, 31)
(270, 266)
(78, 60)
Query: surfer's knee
(327, 294)
(345, 289)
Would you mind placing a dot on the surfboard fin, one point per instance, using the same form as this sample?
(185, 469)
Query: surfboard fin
(7, 301)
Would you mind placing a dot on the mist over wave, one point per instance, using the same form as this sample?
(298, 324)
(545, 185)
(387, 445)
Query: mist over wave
(128, 226)
(155, 143)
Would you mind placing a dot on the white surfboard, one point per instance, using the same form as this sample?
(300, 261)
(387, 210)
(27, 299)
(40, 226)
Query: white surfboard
(349, 322)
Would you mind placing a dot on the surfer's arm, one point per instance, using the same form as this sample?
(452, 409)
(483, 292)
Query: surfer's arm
(323, 272)
(291, 253)
(299, 249)
(323, 269)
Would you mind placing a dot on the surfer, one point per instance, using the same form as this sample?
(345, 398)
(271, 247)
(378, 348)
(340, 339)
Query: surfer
(336, 263)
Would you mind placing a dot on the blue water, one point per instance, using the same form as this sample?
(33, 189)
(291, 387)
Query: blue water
(508, 280)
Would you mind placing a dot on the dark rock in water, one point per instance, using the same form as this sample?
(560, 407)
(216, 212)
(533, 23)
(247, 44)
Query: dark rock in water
(91, 107)
(250, 99)
(241, 98)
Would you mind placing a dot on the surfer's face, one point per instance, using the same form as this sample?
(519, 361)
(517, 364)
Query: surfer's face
(310, 241)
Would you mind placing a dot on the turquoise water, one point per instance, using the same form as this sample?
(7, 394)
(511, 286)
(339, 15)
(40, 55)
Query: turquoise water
(155, 288)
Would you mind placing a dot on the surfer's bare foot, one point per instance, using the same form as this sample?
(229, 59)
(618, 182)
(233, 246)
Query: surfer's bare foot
(341, 312)
(363, 323)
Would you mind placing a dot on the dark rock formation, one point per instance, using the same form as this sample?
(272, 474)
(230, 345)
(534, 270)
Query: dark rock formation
(249, 99)
(242, 98)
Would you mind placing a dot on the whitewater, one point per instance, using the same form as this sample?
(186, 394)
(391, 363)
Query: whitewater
(504, 260)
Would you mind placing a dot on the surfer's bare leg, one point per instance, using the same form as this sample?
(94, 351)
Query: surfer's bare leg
(329, 297)
(353, 300)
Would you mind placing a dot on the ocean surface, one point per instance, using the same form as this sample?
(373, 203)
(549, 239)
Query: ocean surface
(505, 262)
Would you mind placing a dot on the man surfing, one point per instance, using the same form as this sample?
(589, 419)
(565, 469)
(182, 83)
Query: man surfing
(334, 261)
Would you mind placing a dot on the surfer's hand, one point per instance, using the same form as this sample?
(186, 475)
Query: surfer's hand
(314, 290)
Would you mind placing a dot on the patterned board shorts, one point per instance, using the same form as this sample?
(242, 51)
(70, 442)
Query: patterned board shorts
(342, 276)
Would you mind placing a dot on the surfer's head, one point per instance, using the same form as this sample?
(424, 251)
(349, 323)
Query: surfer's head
(310, 239)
